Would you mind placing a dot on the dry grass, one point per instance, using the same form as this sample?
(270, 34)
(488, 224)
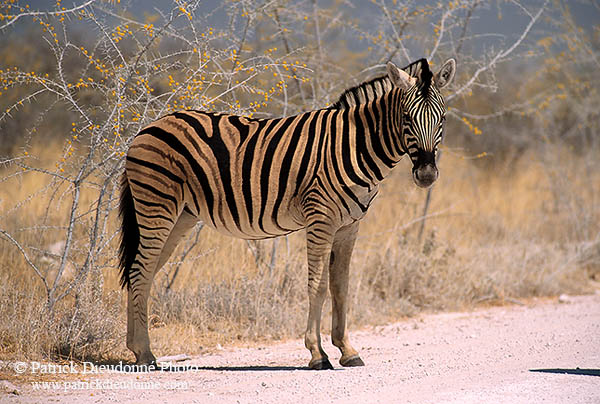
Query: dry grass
(529, 229)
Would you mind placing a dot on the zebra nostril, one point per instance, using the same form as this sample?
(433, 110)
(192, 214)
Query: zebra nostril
(425, 175)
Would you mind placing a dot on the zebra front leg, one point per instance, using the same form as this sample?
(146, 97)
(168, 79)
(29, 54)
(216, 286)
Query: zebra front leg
(318, 249)
(339, 265)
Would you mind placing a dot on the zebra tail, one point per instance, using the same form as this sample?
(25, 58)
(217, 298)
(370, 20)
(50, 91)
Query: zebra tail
(130, 233)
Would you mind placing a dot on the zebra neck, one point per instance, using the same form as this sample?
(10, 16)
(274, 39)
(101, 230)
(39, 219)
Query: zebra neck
(379, 122)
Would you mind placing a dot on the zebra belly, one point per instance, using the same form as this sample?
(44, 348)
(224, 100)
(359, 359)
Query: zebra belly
(255, 235)
(259, 224)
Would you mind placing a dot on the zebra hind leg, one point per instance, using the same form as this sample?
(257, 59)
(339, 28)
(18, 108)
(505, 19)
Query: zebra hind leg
(149, 237)
(138, 340)
(154, 257)
(137, 259)
(184, 224)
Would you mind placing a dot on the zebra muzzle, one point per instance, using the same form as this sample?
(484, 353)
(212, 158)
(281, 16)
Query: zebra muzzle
(425, 175)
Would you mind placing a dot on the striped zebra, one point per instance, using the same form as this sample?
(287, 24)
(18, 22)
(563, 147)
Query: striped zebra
(261, 178)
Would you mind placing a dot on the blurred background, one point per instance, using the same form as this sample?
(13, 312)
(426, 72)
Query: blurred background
(514, 215)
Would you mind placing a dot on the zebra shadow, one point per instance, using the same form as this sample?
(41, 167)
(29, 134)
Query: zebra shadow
(576, 371)
(121, 367)
(100, 366)
(255, 368)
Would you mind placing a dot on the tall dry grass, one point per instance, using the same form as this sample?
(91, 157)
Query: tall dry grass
(526, 229)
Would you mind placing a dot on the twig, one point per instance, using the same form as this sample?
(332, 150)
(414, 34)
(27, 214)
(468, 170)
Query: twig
(499, 56)
(27, 259)
(13, 18)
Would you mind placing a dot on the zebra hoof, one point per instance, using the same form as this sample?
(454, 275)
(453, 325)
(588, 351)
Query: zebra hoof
(320, 364)
(352, 361)
(146, 362)
(141, 367)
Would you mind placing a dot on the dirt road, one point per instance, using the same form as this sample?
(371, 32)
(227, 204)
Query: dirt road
(542, 352)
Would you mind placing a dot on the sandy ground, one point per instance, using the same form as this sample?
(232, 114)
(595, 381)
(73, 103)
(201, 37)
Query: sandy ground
(542, 352)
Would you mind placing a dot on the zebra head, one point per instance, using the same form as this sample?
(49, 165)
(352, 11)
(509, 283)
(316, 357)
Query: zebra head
(423, 114)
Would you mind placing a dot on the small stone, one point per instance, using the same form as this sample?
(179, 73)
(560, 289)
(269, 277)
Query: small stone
(564, 298)
(9, 388)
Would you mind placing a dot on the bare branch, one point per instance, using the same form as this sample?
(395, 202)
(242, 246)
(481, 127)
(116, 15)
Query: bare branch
(499, 56)
(15, 17)
(27, 259)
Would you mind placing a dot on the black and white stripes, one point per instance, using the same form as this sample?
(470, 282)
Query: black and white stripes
(260, 178)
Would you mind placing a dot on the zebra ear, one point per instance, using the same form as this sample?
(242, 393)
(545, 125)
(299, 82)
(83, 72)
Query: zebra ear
(446, 73)
(399, 77)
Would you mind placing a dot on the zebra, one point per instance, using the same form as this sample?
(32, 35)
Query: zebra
(260, 178)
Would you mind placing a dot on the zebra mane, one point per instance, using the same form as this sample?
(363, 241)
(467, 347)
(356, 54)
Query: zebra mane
(363, 93)
(375, 88)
